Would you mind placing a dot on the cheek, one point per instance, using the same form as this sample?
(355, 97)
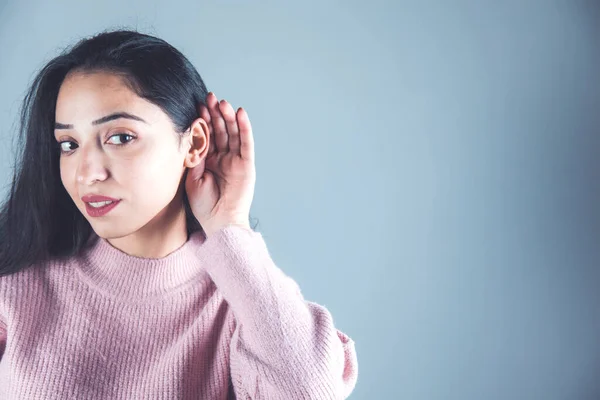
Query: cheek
(158, 174)
(67, 177)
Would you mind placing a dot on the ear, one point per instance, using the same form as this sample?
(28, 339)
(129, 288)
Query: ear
(198, 141)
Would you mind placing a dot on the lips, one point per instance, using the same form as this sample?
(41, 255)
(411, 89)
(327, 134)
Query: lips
(100, 211)
(96, 198)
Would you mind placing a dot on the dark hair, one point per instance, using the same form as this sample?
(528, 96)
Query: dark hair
(38, 219)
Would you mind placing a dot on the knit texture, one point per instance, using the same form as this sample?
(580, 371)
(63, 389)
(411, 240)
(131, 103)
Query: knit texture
(215, 319)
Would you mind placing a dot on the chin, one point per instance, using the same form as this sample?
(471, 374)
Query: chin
(107, 231)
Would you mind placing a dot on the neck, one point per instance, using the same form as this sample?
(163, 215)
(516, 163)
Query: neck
(119, 275)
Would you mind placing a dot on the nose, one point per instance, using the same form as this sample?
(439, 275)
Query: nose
(91, 166)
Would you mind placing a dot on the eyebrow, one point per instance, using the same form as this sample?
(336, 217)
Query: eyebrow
(102, 120)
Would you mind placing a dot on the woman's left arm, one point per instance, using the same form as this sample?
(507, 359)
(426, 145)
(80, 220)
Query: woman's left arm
(283, 347)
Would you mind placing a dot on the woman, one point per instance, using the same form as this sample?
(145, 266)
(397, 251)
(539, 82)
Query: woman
(128, 266)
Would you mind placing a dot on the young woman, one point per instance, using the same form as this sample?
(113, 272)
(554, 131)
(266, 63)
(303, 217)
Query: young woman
(128, 268)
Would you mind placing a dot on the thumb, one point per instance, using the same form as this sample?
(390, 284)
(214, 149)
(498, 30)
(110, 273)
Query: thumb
(201, 183)
(196, 173)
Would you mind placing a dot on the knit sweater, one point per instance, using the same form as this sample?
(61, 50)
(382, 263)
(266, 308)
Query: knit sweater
(215, 319)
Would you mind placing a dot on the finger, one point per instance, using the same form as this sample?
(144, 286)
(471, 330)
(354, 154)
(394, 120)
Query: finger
(246, 135)
(218, 123)
(205, 115)
(233, 131)
(195, 174)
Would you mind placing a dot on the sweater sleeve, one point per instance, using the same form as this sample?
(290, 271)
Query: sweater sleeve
(283, 347)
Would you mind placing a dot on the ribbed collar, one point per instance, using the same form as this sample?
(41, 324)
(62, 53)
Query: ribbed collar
(120, 275)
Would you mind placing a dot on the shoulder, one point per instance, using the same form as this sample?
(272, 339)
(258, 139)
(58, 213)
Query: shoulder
(33, 273)
(27, 285)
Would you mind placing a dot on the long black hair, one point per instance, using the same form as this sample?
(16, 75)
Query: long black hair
(38, 219)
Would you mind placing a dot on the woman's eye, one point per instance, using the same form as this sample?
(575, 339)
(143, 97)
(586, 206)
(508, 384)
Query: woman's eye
(122, 139)
(64, 146)
(121, 135)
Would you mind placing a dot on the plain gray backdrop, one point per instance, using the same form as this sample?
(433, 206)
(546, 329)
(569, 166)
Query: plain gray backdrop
(426, 170)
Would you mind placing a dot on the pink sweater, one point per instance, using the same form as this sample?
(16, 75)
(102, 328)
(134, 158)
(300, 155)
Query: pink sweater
(212, 319)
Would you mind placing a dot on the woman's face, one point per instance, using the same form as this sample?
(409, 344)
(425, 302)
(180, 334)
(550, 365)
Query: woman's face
(136, 161)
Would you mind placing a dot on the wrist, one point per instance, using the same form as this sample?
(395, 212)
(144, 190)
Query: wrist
(211, 230)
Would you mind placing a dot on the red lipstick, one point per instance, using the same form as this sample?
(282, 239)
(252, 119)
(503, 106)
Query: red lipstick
(99, 211)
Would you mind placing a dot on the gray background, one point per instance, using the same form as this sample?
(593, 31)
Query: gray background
(428, 171)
